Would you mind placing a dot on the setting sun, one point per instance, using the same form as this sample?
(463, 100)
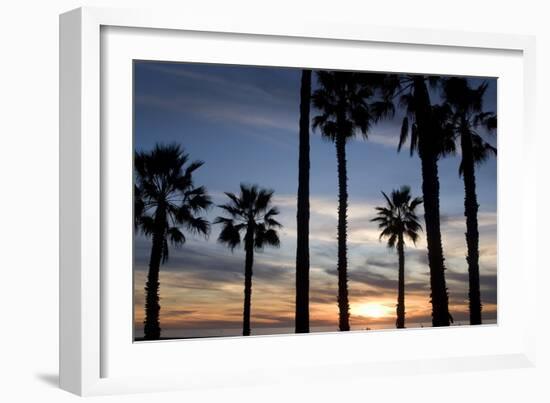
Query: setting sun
(372, 310)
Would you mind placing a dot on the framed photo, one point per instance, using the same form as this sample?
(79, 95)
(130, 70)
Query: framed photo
(272, 191)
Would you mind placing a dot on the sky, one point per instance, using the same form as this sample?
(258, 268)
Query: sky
(242, 121)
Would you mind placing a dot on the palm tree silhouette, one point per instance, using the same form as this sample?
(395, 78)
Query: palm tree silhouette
(165, 201)
(398, 220)
(468, 116)
(342, 100)
(429, 137)
(302, 214)
(252, 213)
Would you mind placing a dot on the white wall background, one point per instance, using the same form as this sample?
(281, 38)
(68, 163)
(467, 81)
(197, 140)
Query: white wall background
(29, 197)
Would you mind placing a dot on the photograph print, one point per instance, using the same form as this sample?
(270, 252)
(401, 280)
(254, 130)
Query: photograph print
(275, 200)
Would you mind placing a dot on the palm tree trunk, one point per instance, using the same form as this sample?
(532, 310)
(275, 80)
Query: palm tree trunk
(400, 323)
(472, 233)
(249, 260)
(152, 307)
(343, 302)
(430, 191)
(302, 215)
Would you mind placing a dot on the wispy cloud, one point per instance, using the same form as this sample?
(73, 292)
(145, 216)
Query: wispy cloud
(217, 83)
(240, 114)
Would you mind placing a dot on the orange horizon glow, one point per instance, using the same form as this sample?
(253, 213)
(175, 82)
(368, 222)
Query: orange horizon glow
(212, 308)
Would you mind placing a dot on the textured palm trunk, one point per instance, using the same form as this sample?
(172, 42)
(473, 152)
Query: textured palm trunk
(430, 192)
(472, 234)
(343, 302)
(400, 323)
(302, 215)
(152, 307)
(249, 261)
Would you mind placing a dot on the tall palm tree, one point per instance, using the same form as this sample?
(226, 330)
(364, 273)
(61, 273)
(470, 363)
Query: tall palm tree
(250, 213)
(398, 220)
(429, 137)
(342, 100)
(468, 117)
(302, 214)
(165, 202)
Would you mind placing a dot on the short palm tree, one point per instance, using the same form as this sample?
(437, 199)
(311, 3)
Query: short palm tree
(342, 100)
(166, 201)
(302, 213)
(398, 220)
(468, 117)
(250, 213)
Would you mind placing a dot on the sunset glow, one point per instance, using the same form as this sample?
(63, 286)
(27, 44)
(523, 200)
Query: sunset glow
(372, 310)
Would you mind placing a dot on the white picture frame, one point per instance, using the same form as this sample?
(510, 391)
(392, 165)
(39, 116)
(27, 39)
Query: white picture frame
(97, 358)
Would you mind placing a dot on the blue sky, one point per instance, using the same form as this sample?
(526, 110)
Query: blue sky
(243, 122)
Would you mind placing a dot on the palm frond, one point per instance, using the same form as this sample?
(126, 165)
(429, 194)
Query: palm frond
(388, 200)
(230, 234)
(232, 210)
(147, 225)
(198, 226)
(404, 133)
(236, 201)
(481, 149)
(198, 199)
(175, 236)
(263, 200)
(488, 120)
(139, 206)
(414, 139)
(392, 240)
(382, 109)
(417, 201)
(266, 237)
(272, 223)
(192, 167)
(412, 235)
